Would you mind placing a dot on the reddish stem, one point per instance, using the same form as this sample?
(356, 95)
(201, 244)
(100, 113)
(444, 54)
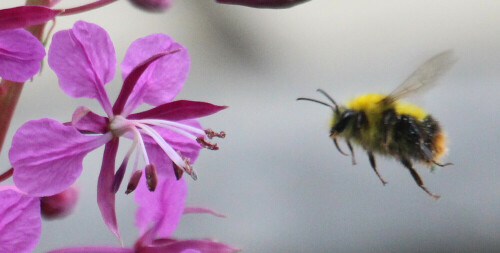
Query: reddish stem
(9, 90)
(87, 7)
(7, 174)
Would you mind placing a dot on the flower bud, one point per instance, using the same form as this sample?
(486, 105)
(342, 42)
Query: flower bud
(152, 5)
(264, 3)
(59, 205)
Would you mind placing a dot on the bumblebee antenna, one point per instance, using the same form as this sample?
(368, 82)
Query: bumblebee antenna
(329, 98)
(319, 102)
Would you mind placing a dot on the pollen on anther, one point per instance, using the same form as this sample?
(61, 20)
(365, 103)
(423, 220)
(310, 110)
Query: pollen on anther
(204, 143)
(151, 177)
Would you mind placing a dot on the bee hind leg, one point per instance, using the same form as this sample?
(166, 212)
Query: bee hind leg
(349, 145)
(416, 177)
(441, 164)
(374, 166)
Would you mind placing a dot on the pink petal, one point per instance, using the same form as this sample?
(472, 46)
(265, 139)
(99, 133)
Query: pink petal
(131, 87)
(23, 16)
(47, 156)
(105, 194)
(163, 208)
(84, 61)
(163, 80)
(93, 249)
(20, 222)
(19, 61)
(179, 110)
(203, 245)
(87, 121)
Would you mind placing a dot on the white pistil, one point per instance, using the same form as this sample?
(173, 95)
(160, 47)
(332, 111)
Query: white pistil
(141, 145)
(163, 144)
(168, 123)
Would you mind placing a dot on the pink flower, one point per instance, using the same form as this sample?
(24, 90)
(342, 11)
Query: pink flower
(20, 222)
(47, 155)
(157, 217)
(21, 52)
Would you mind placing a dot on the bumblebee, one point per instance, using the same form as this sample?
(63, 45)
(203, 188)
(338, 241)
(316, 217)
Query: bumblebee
(385, 125)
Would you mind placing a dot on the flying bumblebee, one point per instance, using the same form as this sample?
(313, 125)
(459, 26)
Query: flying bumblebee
(383, 124)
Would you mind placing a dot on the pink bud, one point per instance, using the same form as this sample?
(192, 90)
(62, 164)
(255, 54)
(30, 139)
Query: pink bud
(152, 5)
(264, 3)
(59, 205)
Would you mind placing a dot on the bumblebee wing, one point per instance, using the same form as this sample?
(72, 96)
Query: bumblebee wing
(424, 77)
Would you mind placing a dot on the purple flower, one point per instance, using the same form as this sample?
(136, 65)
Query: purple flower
(20, 222)
(20, 55)
(47, 155)
(21, 52)
(157, 217)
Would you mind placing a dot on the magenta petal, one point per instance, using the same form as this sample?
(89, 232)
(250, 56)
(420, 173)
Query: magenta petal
(84, 61)
(130, 84)
(19, 61)
(179, 110)
(205, 246)
(165, 78)
(20, 222)
(93, 249)
(23, 16)
(47, 156)
(163, 208)
(105, 194)
(87, 121)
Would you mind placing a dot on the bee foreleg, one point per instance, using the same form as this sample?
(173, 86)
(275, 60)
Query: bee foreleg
(416, 177)
(338, 147)
(374, 166)
(352, 152)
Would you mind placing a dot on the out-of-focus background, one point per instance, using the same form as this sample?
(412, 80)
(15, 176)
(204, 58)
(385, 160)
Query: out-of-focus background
(277, 176)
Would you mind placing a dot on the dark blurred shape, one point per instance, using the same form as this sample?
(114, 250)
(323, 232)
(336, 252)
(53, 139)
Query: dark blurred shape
(59, 205)
(274, 4)
(152, 5)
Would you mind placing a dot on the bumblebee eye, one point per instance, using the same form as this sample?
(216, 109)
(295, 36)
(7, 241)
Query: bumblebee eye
(345, 118)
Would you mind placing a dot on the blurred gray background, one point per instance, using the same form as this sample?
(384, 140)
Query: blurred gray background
(278, 177)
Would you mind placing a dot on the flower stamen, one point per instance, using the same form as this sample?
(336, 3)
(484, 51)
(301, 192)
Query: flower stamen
(134, 181)
(204, 143)
(211, 134)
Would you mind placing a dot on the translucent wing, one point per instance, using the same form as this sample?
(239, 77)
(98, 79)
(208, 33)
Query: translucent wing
(424, 77)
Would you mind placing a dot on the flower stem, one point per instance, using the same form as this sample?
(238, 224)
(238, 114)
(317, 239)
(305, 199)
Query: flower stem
(86, 7)
(6, 174)
(9, 90)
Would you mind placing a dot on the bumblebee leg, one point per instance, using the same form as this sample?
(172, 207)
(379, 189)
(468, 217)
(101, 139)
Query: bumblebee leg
(338, 148)
(441, 164)
(390, 118)
(352, 152)
(374, 166)
(416, 177)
